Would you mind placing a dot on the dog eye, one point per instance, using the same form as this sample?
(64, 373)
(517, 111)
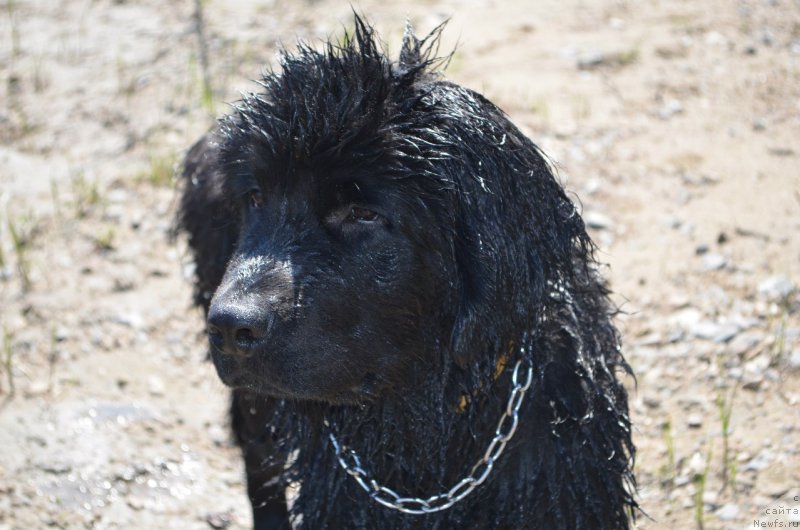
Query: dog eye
(255, 198)
(362, 215)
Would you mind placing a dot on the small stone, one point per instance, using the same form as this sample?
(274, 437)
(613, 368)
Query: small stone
(728, 512)
(714, 262)
(670, 108)
(155, 385)
(776, 288)
(651, 402)
(794, 361)
(719, 333)
(715, 38)
(219, 521)
(616, 23)
(131, 320)
(694, 421)
(767, 38)
(701, 249)
(598, 221)
(591, 60)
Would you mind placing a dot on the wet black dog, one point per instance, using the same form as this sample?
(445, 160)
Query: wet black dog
(378, 251)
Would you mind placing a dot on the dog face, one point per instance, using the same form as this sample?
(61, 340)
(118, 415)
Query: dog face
(374, 207)
(328, 295)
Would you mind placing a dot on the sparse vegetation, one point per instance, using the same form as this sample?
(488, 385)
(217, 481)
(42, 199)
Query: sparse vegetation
(725, 409)
(104, 240)
(22, 230)
(206, 92)
(668, 469)
(14, 23)
(8, 363)
(700, 480)
(161, 171)
(86, 195)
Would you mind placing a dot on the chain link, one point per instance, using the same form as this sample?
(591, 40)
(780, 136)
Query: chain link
(506, 427)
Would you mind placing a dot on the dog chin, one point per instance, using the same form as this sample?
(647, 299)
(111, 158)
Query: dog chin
(235, 376)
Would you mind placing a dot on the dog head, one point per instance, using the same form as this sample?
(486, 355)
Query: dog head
(370, 202)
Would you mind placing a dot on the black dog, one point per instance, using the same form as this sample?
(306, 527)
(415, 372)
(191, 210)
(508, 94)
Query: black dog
(405, 302)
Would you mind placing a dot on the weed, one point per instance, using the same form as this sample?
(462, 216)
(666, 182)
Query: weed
(55, 195)
(206, 93)
(668, 470)
(8, 357)
(22, 231)
(582, 108)
(700, 490)
(85, 194)
(628, 57)
(725, 408)
(15, 38)
(161, 172)
(104, 240)
(52, 358)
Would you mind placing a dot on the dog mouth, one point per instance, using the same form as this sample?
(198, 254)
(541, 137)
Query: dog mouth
(243, 373)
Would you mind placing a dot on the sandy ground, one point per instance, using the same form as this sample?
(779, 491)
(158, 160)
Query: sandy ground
(676, 124)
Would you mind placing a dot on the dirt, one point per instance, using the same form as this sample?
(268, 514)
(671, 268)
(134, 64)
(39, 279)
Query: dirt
(675, 124)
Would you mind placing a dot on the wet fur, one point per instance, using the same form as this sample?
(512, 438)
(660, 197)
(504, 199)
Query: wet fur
(504, 251)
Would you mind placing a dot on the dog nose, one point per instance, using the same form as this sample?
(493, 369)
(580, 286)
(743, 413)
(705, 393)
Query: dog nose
(236, 330)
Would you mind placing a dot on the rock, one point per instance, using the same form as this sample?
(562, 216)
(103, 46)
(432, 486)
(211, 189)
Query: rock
(670, 108)
(761, 461)
(701, 249)
(715, 38)
(766, 37)
(591, 60)
(598, 221)
(794, 361)
(776, 288)
(694, 421)
(156, 386)
(714, 262)
(616, 23)
(219, 521)
(728, 512)
(718, 333)
(742, 344)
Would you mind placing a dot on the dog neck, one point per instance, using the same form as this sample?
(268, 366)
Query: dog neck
(422, 441)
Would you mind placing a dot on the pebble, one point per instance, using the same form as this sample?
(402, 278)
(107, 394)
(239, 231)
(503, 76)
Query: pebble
(742, 344)
(728, 512)
(219, 521)
(694, 421)
(591, 60)
(598, 221)
(714, 262)
(715, 38)
(794, 361)
(156, 386)
(776, 288)
(719, 333)
(670, 108)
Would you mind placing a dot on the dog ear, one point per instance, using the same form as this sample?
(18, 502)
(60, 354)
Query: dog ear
(473, 331)
(206, 217)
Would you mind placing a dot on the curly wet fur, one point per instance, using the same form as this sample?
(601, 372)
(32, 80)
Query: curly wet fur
(506, 252)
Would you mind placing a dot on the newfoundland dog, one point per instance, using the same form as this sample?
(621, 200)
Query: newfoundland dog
(405, 303)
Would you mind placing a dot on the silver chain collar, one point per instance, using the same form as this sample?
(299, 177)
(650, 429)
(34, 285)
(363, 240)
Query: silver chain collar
(506, 428)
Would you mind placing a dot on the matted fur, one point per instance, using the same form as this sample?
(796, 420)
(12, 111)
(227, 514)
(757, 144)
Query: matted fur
(493, 248)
